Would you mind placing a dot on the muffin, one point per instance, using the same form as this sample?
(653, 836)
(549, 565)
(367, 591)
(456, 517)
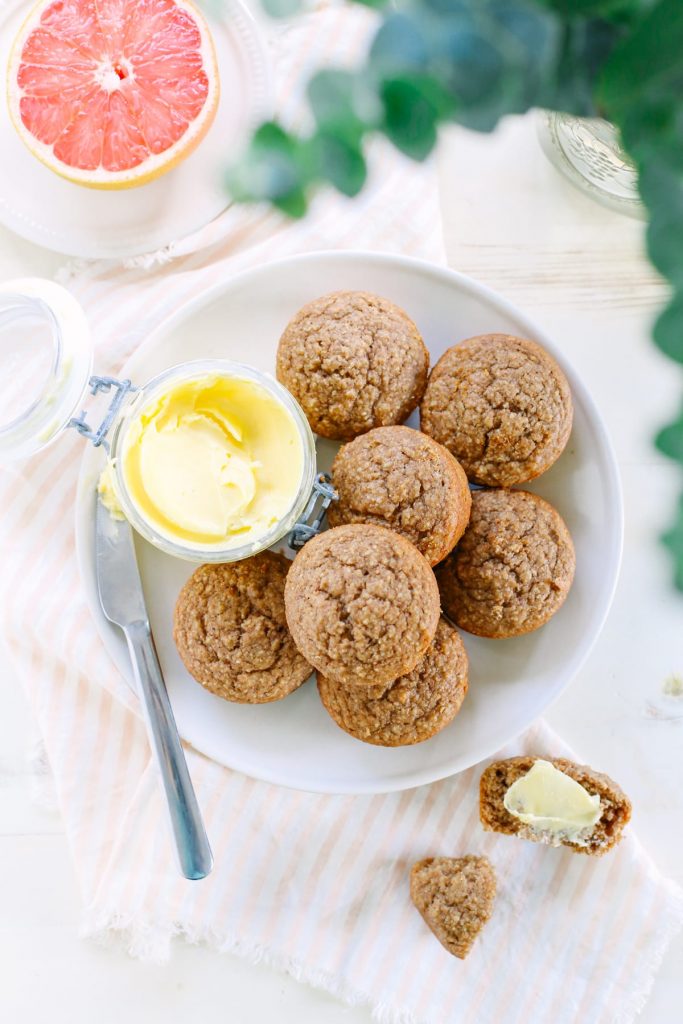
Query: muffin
(411, 709)
(353, 361)
(455, 897)
(231, 632)
(599, 838)
(501, 405)
(362, 604)
(402, 479)
(512, 569)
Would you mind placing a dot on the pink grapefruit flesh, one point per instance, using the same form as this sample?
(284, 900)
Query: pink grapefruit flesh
(112, 93)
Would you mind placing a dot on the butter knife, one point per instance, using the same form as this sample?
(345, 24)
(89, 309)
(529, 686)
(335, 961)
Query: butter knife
(123, 603)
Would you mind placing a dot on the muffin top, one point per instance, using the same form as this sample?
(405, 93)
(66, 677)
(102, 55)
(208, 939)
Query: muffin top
(362, 604)
(513, 566)
(501, 405)
(411, 709)
(402, 479)
(231, 632)
(353, 361)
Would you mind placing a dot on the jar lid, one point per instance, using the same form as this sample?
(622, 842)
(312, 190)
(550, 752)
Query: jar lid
(45, 364)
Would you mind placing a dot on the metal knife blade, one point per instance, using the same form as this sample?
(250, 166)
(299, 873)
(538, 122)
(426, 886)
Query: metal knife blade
(123, 602)
(118, 577)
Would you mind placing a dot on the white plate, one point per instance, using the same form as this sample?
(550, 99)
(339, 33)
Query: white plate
(44, 208)
(294, 742)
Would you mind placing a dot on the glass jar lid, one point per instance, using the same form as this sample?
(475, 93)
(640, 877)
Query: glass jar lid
(45, 364)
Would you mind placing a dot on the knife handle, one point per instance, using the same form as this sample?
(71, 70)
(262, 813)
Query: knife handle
(192, 844)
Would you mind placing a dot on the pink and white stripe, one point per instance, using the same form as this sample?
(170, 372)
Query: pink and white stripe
(317, 885)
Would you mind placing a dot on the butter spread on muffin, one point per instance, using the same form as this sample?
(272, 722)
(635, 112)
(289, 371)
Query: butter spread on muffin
(522, 796)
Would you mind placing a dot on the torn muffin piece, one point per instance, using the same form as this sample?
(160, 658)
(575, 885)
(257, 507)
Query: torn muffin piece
(455, 897)
(553, 801)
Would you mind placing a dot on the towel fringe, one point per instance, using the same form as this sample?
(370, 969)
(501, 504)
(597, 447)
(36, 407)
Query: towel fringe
(152, 943)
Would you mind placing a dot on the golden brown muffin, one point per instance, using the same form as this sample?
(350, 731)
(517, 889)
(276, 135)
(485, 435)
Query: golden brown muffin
(400, 478)
(362, 604)
(411, 709)
(231, 632)
(353, 361)
(606, 833)
(501, 405)
(512, 569)
(455, 897)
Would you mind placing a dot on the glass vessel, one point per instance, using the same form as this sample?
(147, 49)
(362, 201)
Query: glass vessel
(45, 374)
(191, 371)
(588, 152)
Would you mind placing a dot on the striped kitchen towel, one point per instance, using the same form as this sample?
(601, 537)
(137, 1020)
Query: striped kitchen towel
(316, 885)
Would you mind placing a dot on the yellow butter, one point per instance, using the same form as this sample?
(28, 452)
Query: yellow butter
(213, 460)
(553, 803)
(107, 492)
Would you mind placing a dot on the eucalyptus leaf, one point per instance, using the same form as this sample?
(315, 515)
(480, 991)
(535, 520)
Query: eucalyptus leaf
(275, 167)
(345, 101)
(583, 49)
(669, 440)
(619, 9)
(340, 161)
(400, 45)
(648, 62)
(410, 117)
(664, 243)
(495, 59)
(668, 331)
(661, 186)
(673, 539)
(282, 8)
(294, 203)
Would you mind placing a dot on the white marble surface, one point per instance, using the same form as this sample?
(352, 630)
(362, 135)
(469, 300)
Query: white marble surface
(511, 221)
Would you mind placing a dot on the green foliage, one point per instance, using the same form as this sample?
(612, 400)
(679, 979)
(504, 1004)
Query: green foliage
(673, 539)
(669, 440)
(668, 331)
(339, 159)
(641, 90)
(281, 8)
(277, 167)
(616, 10)
(473, 62)
(413, 106)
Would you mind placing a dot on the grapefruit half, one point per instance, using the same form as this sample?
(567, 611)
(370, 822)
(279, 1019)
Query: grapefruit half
(112, 93)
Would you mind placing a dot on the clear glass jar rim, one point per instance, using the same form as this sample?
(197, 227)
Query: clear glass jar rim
(60, 391)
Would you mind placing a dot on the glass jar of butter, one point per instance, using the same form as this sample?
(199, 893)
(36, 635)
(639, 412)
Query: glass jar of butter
(210, 461)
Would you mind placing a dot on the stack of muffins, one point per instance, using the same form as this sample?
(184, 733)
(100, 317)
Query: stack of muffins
(361, 603)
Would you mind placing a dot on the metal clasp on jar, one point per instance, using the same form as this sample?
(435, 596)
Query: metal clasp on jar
(322, 496)
(122, 388)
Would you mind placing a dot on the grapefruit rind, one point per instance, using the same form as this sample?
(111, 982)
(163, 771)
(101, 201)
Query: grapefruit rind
(154, 165)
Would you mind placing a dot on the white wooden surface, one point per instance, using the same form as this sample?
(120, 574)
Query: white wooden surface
(511, 221)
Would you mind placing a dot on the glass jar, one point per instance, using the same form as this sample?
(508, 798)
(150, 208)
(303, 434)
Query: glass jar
(45, 364)
(196, 371)
(45, 373)
(588, 151)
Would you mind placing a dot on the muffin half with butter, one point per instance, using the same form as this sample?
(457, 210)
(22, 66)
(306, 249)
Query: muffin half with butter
(553, 801)
(231, 633)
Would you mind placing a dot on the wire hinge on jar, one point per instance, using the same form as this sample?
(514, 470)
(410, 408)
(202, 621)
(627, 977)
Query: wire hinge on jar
(122, 388)
(322, 496)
